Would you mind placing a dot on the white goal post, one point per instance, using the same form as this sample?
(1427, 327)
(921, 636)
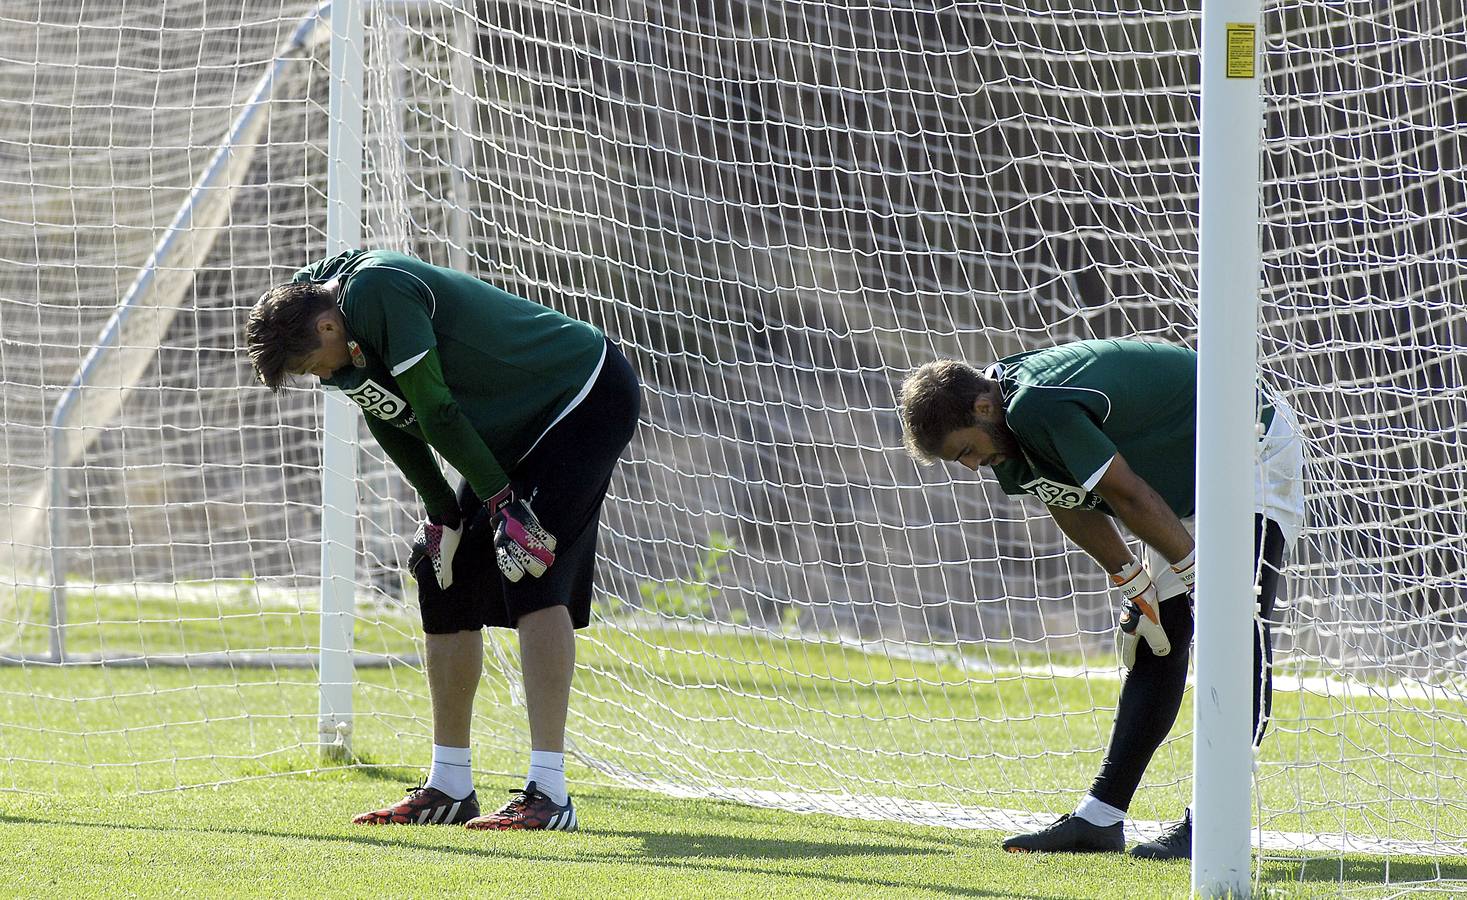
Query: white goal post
(1227, 446)
(777, 208)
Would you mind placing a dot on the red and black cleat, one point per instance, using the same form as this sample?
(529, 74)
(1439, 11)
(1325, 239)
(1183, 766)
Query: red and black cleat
(528, 810)
(423, 806)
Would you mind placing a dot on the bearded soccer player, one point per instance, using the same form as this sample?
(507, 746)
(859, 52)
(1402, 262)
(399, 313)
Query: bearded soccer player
(1104, 433)
(533, 408)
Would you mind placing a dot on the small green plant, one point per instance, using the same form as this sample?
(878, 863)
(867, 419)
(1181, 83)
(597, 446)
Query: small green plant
(692, 597)
(246, 593)
(606, 608)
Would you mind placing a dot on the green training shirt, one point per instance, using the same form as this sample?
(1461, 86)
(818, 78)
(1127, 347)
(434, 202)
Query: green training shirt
(1075, 406)
(512, 366)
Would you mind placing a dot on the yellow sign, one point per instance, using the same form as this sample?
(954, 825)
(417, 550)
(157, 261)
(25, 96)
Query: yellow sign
(1242, 49)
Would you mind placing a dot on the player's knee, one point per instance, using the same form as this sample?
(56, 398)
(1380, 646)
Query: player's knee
(1171, 668)
(446, 612)
(555, 618)
(1177, 619)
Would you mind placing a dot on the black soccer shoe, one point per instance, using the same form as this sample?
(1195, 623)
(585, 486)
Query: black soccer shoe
(1175, 844)
(1070, 834)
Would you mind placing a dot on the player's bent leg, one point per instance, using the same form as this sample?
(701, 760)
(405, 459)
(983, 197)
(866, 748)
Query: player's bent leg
(1268, 551)
(548, 658)
(1268, 557)
(423, 806)
(1150, 699)
(528, 809)
(1070, 834)
(455, 663)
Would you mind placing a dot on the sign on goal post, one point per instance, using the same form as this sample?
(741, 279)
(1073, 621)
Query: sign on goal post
(776, 209)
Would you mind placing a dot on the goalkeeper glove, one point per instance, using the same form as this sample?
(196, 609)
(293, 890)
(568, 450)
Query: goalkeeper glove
(1140, 615)
(521, 543)
(436, 541)
(1186, 570)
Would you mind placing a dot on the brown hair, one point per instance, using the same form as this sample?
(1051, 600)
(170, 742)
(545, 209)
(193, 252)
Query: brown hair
(281, 328)
(935, 400)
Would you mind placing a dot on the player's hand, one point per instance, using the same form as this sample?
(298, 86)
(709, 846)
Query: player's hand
(436, 541)
(1140, 616)
(521, 543)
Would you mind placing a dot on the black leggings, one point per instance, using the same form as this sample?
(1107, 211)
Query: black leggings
(1152, 693)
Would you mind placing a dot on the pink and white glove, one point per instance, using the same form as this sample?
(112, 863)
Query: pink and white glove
(437, 542)
(521, 543)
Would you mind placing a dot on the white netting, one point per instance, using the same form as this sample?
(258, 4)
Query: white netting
(776, 209)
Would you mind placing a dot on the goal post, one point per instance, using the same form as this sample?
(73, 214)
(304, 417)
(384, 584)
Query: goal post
(776, 209)
(344, 194)
(1227, 345)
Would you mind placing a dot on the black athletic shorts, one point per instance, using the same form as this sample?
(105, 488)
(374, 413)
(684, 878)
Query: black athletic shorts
(565, 477)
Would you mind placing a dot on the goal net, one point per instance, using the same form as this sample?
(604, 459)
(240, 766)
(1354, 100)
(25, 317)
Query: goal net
(776, 209)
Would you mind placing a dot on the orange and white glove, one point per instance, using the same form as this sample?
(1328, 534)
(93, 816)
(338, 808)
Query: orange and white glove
(1140, 615)
(1186, 570)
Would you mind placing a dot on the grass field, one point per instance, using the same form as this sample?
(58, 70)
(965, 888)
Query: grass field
(92, 755)
(288, 837)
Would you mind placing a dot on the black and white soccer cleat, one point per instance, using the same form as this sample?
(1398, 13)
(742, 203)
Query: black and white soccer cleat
(1070, 834)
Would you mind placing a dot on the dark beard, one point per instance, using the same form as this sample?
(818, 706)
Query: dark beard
(1003, 439)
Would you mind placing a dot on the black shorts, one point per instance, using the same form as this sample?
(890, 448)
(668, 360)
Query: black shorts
(565, 477)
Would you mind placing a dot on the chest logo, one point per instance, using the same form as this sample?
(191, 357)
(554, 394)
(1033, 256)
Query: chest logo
(377, 400)
(1055, 493)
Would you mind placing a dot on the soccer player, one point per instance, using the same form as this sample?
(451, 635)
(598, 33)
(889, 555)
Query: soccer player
(533, 408)
(1105, 432)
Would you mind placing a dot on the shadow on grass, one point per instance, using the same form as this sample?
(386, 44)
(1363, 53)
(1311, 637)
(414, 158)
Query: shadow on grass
(693, 853)
(1277, 873)
(373, 771)
(759, 816)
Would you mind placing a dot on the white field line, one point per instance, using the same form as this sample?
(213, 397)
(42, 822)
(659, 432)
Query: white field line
(243, 594)
(239, 593)
(1447, 690)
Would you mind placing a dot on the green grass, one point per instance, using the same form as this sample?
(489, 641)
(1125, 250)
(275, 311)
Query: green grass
(289, 837)
(82, 748)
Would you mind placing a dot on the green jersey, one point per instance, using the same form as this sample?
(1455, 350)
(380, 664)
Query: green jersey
(512, 365)
(1075, 406)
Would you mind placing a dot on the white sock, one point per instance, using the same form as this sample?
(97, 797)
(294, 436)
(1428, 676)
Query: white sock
(1099, 813)
(451, 772)
(547, 770)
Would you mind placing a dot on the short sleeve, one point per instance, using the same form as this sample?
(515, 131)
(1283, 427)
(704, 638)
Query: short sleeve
(309, 273)
(1061, 431)
(391, 310)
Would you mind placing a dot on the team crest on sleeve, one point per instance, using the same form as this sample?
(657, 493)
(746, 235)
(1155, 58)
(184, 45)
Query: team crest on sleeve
(377, 400)
(1059, 494)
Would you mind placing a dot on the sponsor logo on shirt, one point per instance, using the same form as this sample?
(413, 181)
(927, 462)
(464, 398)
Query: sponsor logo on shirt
(377, 400)
(1057, 493)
